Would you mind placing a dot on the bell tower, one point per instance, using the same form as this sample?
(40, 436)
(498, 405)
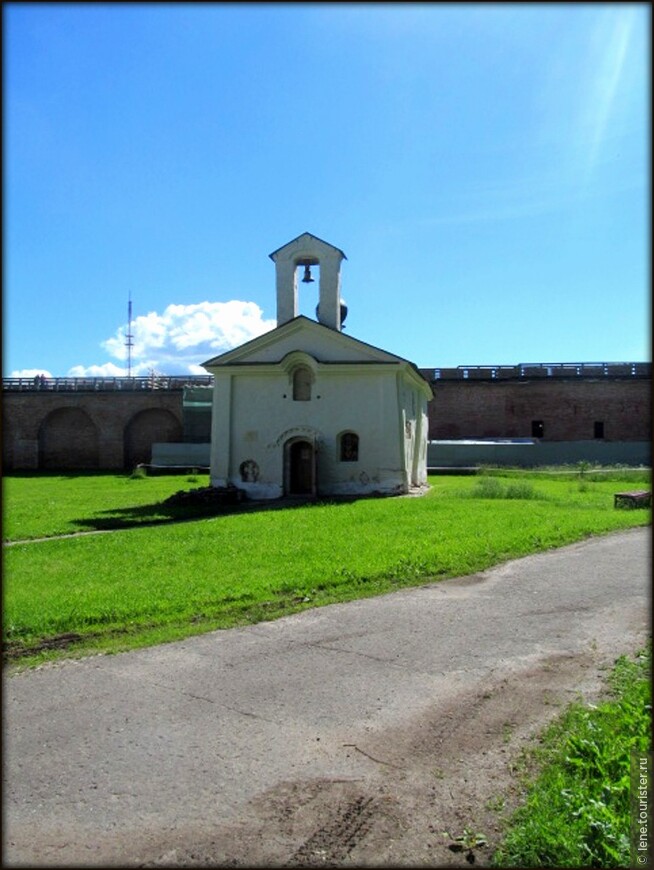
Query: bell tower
(307, 251)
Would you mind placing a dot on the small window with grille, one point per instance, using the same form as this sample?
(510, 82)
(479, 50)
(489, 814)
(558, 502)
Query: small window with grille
(349, 447)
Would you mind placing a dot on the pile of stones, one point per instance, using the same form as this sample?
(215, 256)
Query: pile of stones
(208, 495)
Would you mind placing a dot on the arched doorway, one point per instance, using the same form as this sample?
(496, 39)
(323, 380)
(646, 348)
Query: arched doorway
(300, 467)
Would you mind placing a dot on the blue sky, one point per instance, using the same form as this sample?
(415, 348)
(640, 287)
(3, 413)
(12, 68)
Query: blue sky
(485, 168)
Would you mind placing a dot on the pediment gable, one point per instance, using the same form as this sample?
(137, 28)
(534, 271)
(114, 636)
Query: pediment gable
(301, 242)
(302, 334)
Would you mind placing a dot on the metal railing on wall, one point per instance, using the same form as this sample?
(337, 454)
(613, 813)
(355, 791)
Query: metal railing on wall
(150, 382)
(543, 370)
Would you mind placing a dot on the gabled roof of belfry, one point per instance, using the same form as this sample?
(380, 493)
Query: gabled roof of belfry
(302, 237)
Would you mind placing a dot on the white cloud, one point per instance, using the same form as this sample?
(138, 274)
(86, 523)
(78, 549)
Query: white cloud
(180, 339)
(30, 373)
(107, 370)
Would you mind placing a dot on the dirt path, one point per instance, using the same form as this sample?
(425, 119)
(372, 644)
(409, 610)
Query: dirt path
(454, 768)
(350, 735)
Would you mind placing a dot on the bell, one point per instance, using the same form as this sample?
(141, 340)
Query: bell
(307, 275)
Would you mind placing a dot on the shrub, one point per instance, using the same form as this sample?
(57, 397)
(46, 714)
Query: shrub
(488, 487)
(491, 487)
(523, 489)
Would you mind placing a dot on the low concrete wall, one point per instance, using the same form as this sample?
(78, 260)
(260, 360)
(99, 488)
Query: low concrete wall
(529, 454)
(171, 455)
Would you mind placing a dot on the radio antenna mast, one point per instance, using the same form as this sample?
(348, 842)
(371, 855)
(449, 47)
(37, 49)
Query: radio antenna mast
(129, 338)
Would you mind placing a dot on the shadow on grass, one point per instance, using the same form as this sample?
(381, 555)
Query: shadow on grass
(160, 513)
(145, 515)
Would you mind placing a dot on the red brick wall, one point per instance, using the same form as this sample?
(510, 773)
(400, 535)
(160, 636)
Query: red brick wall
(68, 439)
(36, 432)
(568, 408)
(112, 433)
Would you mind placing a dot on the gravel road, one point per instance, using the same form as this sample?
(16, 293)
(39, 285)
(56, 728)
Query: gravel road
(352, 734)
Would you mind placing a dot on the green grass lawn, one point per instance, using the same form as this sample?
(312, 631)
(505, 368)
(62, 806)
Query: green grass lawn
(576, 811)
(58, 504)
(145, 585)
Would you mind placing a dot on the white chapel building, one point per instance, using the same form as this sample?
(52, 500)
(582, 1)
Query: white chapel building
(305, 409)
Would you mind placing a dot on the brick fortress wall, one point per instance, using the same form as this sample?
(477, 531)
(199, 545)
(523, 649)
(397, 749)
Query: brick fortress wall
(83, 429)
(568, 410)
(112, 423)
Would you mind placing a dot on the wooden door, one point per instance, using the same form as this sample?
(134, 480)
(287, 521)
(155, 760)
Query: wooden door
(301, 460)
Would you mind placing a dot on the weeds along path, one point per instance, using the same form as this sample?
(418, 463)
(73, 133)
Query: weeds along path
(352, 734)
(60, 537)
(109, 531)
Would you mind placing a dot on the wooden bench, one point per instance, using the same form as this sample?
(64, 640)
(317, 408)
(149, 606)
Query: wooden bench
(638, 498)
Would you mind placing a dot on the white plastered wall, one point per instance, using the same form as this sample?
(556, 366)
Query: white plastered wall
(259, 416)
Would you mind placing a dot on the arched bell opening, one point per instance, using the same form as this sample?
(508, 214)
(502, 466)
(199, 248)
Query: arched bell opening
(307, 282)
(308, 261)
